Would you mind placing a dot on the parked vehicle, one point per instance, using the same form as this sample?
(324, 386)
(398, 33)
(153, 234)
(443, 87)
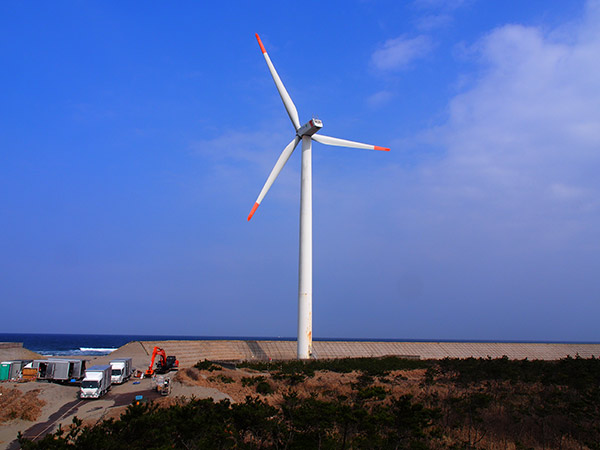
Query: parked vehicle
(68, 370)
(96, 383)
(121, 370)
(45, 369)
(59, 370)
(163, 365)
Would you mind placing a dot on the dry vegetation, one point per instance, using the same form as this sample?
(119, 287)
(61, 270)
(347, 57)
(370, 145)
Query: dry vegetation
(324, 385)
(370, 403)
(15, 404)
(498, 409)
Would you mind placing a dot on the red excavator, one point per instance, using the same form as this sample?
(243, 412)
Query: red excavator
(163, 365)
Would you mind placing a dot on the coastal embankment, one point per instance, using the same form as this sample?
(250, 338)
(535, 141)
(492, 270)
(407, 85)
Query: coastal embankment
(14, 350)
(190, 352)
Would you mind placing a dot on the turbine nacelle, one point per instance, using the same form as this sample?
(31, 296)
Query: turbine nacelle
(309, 128)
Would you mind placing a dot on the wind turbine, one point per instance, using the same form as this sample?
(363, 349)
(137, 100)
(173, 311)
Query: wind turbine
(305, 133)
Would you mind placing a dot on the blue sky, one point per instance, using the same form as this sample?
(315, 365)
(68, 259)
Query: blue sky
(135, 137)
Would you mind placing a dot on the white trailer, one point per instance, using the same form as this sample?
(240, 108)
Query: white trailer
(59, 370)
(45, 369)
(122, 369)
(96, 382)
(68, 370)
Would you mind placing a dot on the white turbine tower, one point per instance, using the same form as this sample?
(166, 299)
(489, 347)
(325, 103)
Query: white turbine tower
(306, 134)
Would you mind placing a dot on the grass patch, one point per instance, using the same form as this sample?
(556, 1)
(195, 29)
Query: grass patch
(370, 366)
(207, 365)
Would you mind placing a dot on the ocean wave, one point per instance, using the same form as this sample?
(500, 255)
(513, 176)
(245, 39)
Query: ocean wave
(97, 350)
(81, 351)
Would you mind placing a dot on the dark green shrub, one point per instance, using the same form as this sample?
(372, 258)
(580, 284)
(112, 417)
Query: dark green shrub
(225, 379)
(222, 378)
(207, 365)
(514, 404)
(264, 388)
(372, 392)
(371, 366)
(251, 381)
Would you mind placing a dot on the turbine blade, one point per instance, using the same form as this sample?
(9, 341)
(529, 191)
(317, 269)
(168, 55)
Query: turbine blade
(328, 140)
(283, 158)
(287, 100)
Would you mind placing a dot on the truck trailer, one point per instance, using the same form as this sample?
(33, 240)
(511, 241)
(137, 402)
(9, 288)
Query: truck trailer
(96, 382)
(45, 369)
(68, 370)
(59, 370)
(122, 369)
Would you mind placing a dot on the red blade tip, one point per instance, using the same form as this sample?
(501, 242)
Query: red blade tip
(385, 149)
(253, 210)
(262, 47)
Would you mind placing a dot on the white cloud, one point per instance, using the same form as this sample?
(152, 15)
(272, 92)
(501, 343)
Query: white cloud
(533, 117)
(566, 192)
(529, 126)
(380, 98)
(260, 147)
(240, 162)
(439, 4)
(398, 53)
(439, 13)
(433, 21)
(505, 220)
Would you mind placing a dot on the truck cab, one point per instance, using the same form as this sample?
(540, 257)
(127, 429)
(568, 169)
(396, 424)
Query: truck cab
(96, 383)
(121, 370)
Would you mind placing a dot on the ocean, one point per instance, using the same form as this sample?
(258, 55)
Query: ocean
(87, 344)
(103, 344)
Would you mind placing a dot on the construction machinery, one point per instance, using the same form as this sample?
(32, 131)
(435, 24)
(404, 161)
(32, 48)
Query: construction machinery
(163, 365)
(163, 384)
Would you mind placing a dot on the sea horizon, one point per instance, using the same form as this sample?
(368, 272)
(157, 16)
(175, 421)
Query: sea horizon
(76, 344)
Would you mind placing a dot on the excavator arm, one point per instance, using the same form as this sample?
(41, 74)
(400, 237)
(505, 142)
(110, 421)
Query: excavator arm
(163, 359)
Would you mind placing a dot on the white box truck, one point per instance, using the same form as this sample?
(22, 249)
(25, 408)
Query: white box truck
(121, 370)
(96, 382)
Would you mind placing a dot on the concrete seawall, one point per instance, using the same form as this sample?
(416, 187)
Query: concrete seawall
(11, 345)
(15, 350)
(190, 352)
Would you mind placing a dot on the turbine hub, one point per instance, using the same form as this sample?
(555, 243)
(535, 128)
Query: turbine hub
(310, 127)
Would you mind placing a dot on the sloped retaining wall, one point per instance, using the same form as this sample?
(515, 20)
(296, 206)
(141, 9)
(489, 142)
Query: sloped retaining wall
(11, 345)
(190, 352)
